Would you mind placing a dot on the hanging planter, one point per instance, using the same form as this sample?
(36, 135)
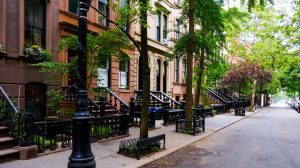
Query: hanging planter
(35, 54)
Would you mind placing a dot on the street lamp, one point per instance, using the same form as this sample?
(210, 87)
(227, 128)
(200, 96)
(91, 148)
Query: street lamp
(82, 156)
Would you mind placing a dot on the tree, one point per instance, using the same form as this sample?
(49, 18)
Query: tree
(132, 11)
(145, 69)
(253, 3)
(290, 79)
(190, 52)
(209, 38)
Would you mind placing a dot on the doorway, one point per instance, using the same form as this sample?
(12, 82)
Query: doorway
(36, 100)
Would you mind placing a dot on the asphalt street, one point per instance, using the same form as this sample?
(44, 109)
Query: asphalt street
(267, 139)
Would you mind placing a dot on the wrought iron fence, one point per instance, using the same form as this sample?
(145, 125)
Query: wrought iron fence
(52, 134)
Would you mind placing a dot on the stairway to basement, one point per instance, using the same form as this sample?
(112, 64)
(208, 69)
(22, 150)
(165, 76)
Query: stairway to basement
(7, 145)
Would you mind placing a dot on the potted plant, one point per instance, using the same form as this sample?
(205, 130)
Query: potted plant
(35, 54)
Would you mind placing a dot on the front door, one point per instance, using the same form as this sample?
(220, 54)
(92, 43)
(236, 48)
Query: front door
(158, 69)
(36, 100)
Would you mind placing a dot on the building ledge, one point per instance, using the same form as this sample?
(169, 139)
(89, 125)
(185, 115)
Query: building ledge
(3, 54)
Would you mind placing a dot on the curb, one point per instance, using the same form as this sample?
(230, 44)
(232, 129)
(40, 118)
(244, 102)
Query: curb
(159, 155)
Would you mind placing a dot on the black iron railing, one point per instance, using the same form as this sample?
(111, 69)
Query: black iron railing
(166, 98)
(52, 134)
(154, 100)
(69, 93)
(109, 126)
(116, 101)
(213, 94)
(19, 124)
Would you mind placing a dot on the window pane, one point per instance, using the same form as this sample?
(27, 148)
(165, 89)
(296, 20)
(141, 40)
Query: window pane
(123, 79)
(73, 6)
(38, 19)
(28, 35)
(165, 27)
(103, 1)
(104, 64)
(103, 8)
(123, 66)
(28, 13)
(102, 77)
(34, 22)
(37, 36)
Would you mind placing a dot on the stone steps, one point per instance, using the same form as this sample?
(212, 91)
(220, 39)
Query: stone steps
(7, 146)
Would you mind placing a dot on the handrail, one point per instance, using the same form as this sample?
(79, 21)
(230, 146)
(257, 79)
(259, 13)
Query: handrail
(217, 94)
(9, 101)
(176, 102)
(151, 95)
(117, 97)
(156, 98)
(93, 103)
(223, 101)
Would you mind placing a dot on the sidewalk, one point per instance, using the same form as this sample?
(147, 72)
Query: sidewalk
(106, 152)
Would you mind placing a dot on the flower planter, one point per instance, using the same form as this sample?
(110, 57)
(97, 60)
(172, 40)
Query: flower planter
(136, 147)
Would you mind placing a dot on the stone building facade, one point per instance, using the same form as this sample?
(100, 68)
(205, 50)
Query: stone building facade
(45, 22)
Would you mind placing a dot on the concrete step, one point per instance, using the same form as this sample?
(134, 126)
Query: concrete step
(3, 131)
(7, 142)
(9, 155)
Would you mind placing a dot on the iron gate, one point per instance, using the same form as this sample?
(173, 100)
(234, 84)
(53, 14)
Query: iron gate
(36, 100)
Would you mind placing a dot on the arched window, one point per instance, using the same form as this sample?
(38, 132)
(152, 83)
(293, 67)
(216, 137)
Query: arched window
(35, 20)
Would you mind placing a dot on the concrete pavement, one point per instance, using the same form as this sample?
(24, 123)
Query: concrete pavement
(268, 139)
(106, 152)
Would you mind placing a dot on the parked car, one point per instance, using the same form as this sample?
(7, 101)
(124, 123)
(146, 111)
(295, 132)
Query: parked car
(295, 104)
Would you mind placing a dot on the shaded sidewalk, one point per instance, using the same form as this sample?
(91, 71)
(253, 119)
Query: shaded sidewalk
(106, 152)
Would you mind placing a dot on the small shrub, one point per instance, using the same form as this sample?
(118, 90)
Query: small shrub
(213, 113)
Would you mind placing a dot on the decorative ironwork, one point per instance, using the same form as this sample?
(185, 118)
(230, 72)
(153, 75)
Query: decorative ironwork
(197, 124)
(109, 126)
(173, 104)
(47, 134)
(19, 124)
(137, 147)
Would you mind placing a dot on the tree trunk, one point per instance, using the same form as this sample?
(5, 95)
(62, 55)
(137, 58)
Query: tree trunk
(145, 71)
(251, 109)
(190, 50)
(200, 76)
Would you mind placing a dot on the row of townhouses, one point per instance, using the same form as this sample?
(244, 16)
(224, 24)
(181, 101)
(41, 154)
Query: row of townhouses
(45, 22)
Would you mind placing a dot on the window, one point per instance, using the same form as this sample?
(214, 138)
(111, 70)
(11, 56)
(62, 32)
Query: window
(177, 30)
(104, 9)
(72, 75)
(103, 74)
(123, 74)
(73, 6)
(35, 15)
(165, 32)
(185, 29)
(125, 25)
(158, 25)
(184, 70)
(177, 70)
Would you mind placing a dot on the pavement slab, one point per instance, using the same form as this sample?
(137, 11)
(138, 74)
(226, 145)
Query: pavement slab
(106, 152)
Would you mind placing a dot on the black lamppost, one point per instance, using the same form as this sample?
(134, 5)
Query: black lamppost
(82, 156)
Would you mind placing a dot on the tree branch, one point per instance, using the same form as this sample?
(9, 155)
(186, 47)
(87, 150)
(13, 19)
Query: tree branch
(120, 27)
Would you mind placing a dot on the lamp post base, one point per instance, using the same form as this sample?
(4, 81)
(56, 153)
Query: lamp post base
(79, 163)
